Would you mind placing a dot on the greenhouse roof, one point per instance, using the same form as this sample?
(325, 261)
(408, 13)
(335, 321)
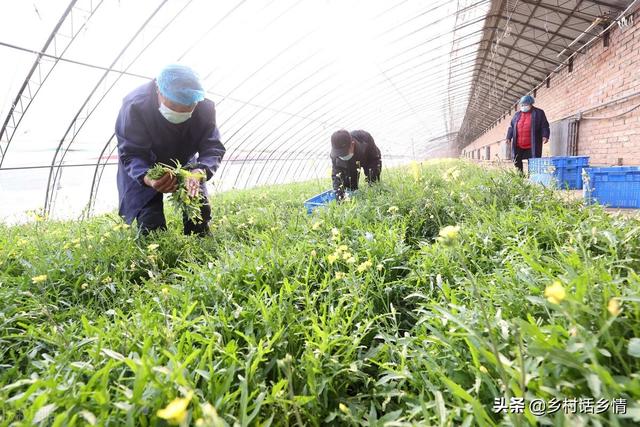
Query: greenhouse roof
(283, 74)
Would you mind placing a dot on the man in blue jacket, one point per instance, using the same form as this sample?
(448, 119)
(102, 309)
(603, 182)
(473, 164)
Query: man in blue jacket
(529, 130)
(163, 121)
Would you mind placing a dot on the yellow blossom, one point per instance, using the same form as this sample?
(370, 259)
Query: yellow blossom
(555, 293)
(415, 170)
(316, 225)
(448, 234)
(39, 279)
(483, 369)
(392, 210)
(364, 266)
(343, 408)
(84, 285)
(165, 291)
(380, 267)
(335, 232)
(339, 275)
(345, 255)
(106, 279)
(313, 253)
(176, 411)
(153, 246)
(614, 306)
(342, 248)
(251, 220)
(332, 258)
(351, 260)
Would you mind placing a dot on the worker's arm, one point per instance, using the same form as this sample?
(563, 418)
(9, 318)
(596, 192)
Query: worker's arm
(210, 149)
(546, 131)
(337, 177)
(510, 131)
(373, 165)
(134, 144)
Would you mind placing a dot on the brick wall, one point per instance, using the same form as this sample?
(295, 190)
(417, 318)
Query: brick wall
(600, 76)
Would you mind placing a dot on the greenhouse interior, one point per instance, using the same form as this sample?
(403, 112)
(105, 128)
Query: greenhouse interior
(306, 213)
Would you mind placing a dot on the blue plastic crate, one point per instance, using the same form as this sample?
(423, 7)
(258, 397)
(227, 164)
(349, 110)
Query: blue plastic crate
(560, 172)
(616, 186)
(319, 200)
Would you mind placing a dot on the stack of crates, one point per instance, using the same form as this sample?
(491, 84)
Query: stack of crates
(616, 186)
(563, 172)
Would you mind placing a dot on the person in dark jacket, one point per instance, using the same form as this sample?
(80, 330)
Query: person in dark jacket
(163, 121)
(349, 153)
(529, 130)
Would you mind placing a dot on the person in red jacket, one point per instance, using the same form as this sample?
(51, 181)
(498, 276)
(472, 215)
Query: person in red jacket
(529, 130)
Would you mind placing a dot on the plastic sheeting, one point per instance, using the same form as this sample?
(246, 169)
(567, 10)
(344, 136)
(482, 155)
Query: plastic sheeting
(283, 74)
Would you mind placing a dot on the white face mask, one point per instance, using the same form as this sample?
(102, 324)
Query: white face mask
(174, 116)
(525, 108)
(347, 157)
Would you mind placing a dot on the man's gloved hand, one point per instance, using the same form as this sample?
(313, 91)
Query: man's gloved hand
(168, 183)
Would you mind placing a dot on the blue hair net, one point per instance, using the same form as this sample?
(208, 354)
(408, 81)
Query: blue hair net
(527, 99)
(180, 84)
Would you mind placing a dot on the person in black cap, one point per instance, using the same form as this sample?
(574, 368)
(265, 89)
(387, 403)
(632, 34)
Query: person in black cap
(349, 153)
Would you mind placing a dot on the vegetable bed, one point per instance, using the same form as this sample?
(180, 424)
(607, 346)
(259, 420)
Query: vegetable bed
(421, 301)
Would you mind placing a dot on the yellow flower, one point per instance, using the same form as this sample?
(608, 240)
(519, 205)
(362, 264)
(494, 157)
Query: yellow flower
(335, 232)
(342, 248)
(380, 267)
(364, 266)
(153, 246)
(555, 293)
(165, 291)
(483, 369)
(392, 210)
(39, 279)
(351, 260)
(343, 408)
(316, 225)
(176, 411)
(339, 275)
(106, 280)
(346, 255)
(415, 170)
(614, 306)
(451, 174)
(448, 234)
(84, 285)
(313, 253)
(332, 258)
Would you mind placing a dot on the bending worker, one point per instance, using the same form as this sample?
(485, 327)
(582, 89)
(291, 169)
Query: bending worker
(529, 130)
(349, 153)
(162, 121)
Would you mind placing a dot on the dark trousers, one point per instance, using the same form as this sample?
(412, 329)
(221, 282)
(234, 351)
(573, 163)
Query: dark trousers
(519, 156)
(151, 217)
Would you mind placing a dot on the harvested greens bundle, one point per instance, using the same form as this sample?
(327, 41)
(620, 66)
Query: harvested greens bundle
(190, 205)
